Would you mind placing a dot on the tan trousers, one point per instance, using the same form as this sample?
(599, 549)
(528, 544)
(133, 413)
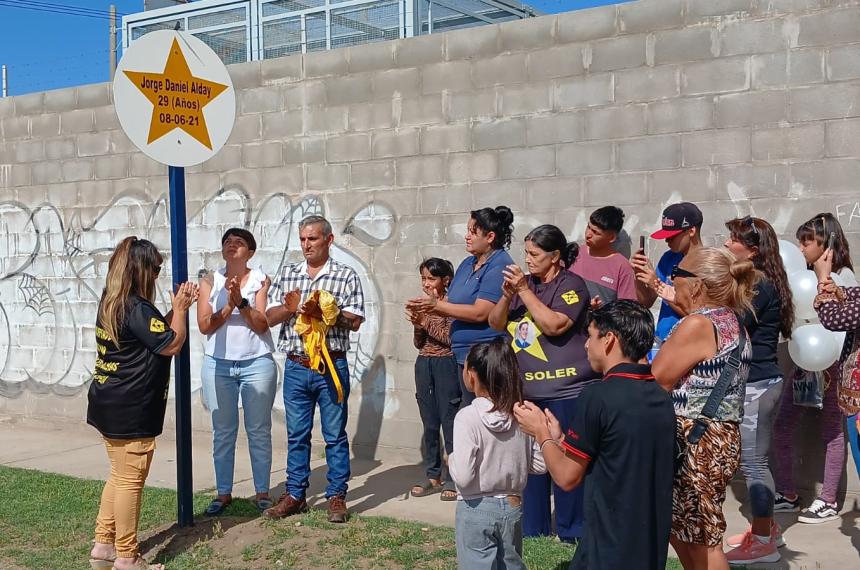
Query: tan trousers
(119, 510)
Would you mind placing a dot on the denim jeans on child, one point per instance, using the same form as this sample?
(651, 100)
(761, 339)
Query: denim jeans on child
(489, 534)
(256, 381)
(303, 390)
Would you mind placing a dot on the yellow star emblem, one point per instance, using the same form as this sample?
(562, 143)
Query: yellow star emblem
(531, 343)
(177, 98)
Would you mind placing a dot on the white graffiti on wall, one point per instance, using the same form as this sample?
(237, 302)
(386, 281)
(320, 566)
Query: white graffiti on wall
(51, 276)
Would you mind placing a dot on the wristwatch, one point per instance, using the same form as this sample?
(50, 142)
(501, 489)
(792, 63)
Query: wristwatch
(244, 304)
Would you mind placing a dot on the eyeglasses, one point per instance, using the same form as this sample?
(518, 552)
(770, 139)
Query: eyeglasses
(678, 272)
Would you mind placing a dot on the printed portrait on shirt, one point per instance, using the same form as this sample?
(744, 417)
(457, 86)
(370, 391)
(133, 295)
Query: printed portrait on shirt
(525, 335)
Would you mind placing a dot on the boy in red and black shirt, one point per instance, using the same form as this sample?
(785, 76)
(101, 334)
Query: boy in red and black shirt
(621, 442)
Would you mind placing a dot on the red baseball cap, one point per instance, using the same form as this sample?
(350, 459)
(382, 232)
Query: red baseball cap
(678, 218)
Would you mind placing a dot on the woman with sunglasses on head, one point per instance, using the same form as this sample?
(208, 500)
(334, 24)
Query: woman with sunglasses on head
(813, 237)
(713, 289)
(128, 394)
(755, 240)
(238, 361)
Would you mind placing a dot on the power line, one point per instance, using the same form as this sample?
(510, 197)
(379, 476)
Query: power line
(63, 9)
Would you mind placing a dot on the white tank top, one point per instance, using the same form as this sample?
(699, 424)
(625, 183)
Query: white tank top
(234, 340)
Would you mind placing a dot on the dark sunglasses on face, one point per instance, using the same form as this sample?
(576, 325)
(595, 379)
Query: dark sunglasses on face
(678, 272)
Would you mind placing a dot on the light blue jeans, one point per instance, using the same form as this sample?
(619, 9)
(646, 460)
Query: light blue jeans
(489, 534)
(256, 381)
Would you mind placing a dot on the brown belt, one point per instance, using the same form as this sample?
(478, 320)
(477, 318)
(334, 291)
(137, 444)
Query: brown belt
(303, 360)
(515, 500)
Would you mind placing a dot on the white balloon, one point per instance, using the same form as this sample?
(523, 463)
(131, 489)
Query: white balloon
(804, 287)
(814, 348)
(791, 257)
(840, 338)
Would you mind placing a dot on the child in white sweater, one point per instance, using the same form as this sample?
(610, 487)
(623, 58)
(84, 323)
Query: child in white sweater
(491, 461)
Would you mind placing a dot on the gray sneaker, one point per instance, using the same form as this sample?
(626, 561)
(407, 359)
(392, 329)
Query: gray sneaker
(819, 512)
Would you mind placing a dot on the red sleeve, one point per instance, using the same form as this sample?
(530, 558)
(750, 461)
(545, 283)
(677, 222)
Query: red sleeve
(626, 280)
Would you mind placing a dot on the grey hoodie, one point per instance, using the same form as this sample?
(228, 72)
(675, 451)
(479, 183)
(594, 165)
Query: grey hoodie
(492, 456)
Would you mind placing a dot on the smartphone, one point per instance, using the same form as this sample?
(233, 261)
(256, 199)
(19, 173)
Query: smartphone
(642, 244)
(831, 241)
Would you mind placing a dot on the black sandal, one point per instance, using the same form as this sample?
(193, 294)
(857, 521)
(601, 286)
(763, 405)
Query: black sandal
(449, 491)
(427, 488)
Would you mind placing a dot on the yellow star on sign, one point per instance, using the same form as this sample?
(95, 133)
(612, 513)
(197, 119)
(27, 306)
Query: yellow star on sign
(177, 98)
(531, 344)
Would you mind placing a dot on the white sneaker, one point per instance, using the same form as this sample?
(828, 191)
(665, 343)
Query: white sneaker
(819, 512)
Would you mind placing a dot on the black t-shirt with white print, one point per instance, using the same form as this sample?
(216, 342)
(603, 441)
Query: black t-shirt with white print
(128, 394)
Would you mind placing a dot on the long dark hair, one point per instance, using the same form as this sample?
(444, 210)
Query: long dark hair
(549, 238)
(499, 220)
(819, 229)
(757, 233)
(132, 270)
(495, 365)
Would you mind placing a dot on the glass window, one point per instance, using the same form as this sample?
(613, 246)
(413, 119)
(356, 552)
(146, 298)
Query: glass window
(138, 31)
(231, 16)
(282, 37)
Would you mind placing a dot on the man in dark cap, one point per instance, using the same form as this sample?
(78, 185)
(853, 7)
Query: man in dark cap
(682, 227)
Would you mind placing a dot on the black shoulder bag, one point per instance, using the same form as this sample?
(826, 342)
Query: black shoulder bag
(729, 373)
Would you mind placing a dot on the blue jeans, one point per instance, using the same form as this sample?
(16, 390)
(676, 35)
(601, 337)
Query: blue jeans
(569, 505)
(256, 380)
(303, 390)
(853, 439)
(489, 534)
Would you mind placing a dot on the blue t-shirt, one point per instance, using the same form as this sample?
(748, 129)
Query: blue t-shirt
(668, 317)
(466, 288)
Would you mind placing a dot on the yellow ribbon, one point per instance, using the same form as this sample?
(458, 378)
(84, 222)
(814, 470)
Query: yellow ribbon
(313, 332)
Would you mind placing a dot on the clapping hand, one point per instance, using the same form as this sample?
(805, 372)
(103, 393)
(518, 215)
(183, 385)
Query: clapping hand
(596, 302)
(234, 289)
(311, 308)
(184, 297)
(291, 300)
(532, 420)
(665, 291)
(515, 280)
(422, 305)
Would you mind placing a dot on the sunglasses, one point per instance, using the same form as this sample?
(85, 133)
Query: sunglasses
(750, 221)
(678, 272)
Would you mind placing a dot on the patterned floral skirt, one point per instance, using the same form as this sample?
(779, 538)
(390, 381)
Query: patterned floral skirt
(700, 484)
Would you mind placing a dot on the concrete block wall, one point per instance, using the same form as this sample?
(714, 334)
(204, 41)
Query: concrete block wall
(743, 106)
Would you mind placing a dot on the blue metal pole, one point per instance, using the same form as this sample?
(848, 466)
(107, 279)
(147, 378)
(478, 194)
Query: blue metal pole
(182, 364)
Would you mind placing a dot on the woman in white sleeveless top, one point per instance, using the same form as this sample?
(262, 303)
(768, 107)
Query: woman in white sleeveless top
(238, 361)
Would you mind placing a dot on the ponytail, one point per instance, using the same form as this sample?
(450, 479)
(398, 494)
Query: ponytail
(728, 282)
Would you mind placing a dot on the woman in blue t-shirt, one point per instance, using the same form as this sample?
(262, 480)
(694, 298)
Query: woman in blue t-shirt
(477, 284)
(545, 314)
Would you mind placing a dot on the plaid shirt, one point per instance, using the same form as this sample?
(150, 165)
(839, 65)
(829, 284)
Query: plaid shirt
(338, 279)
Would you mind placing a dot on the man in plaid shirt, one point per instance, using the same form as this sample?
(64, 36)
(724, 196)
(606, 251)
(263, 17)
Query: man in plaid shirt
(304, 388)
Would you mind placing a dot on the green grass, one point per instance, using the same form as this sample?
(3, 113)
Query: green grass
(46, 521)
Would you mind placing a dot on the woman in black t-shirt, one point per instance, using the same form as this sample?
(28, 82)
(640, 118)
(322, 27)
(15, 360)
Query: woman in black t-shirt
(773, 314)
(128, 394)
(545, 314)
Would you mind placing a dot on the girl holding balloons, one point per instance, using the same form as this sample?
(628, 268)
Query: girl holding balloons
(755, 240)
(813, 348)
(838, 308)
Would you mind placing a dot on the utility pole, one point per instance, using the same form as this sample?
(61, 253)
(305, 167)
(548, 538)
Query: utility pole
(5, 84)
(112, 41)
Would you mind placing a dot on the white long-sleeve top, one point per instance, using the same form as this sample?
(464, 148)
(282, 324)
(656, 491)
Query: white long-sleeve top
(492, 455)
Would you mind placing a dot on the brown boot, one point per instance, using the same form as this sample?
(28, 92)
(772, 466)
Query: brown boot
(286, 507)
(337, 512)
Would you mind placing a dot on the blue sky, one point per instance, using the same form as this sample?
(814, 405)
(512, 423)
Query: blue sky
(45, 50)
